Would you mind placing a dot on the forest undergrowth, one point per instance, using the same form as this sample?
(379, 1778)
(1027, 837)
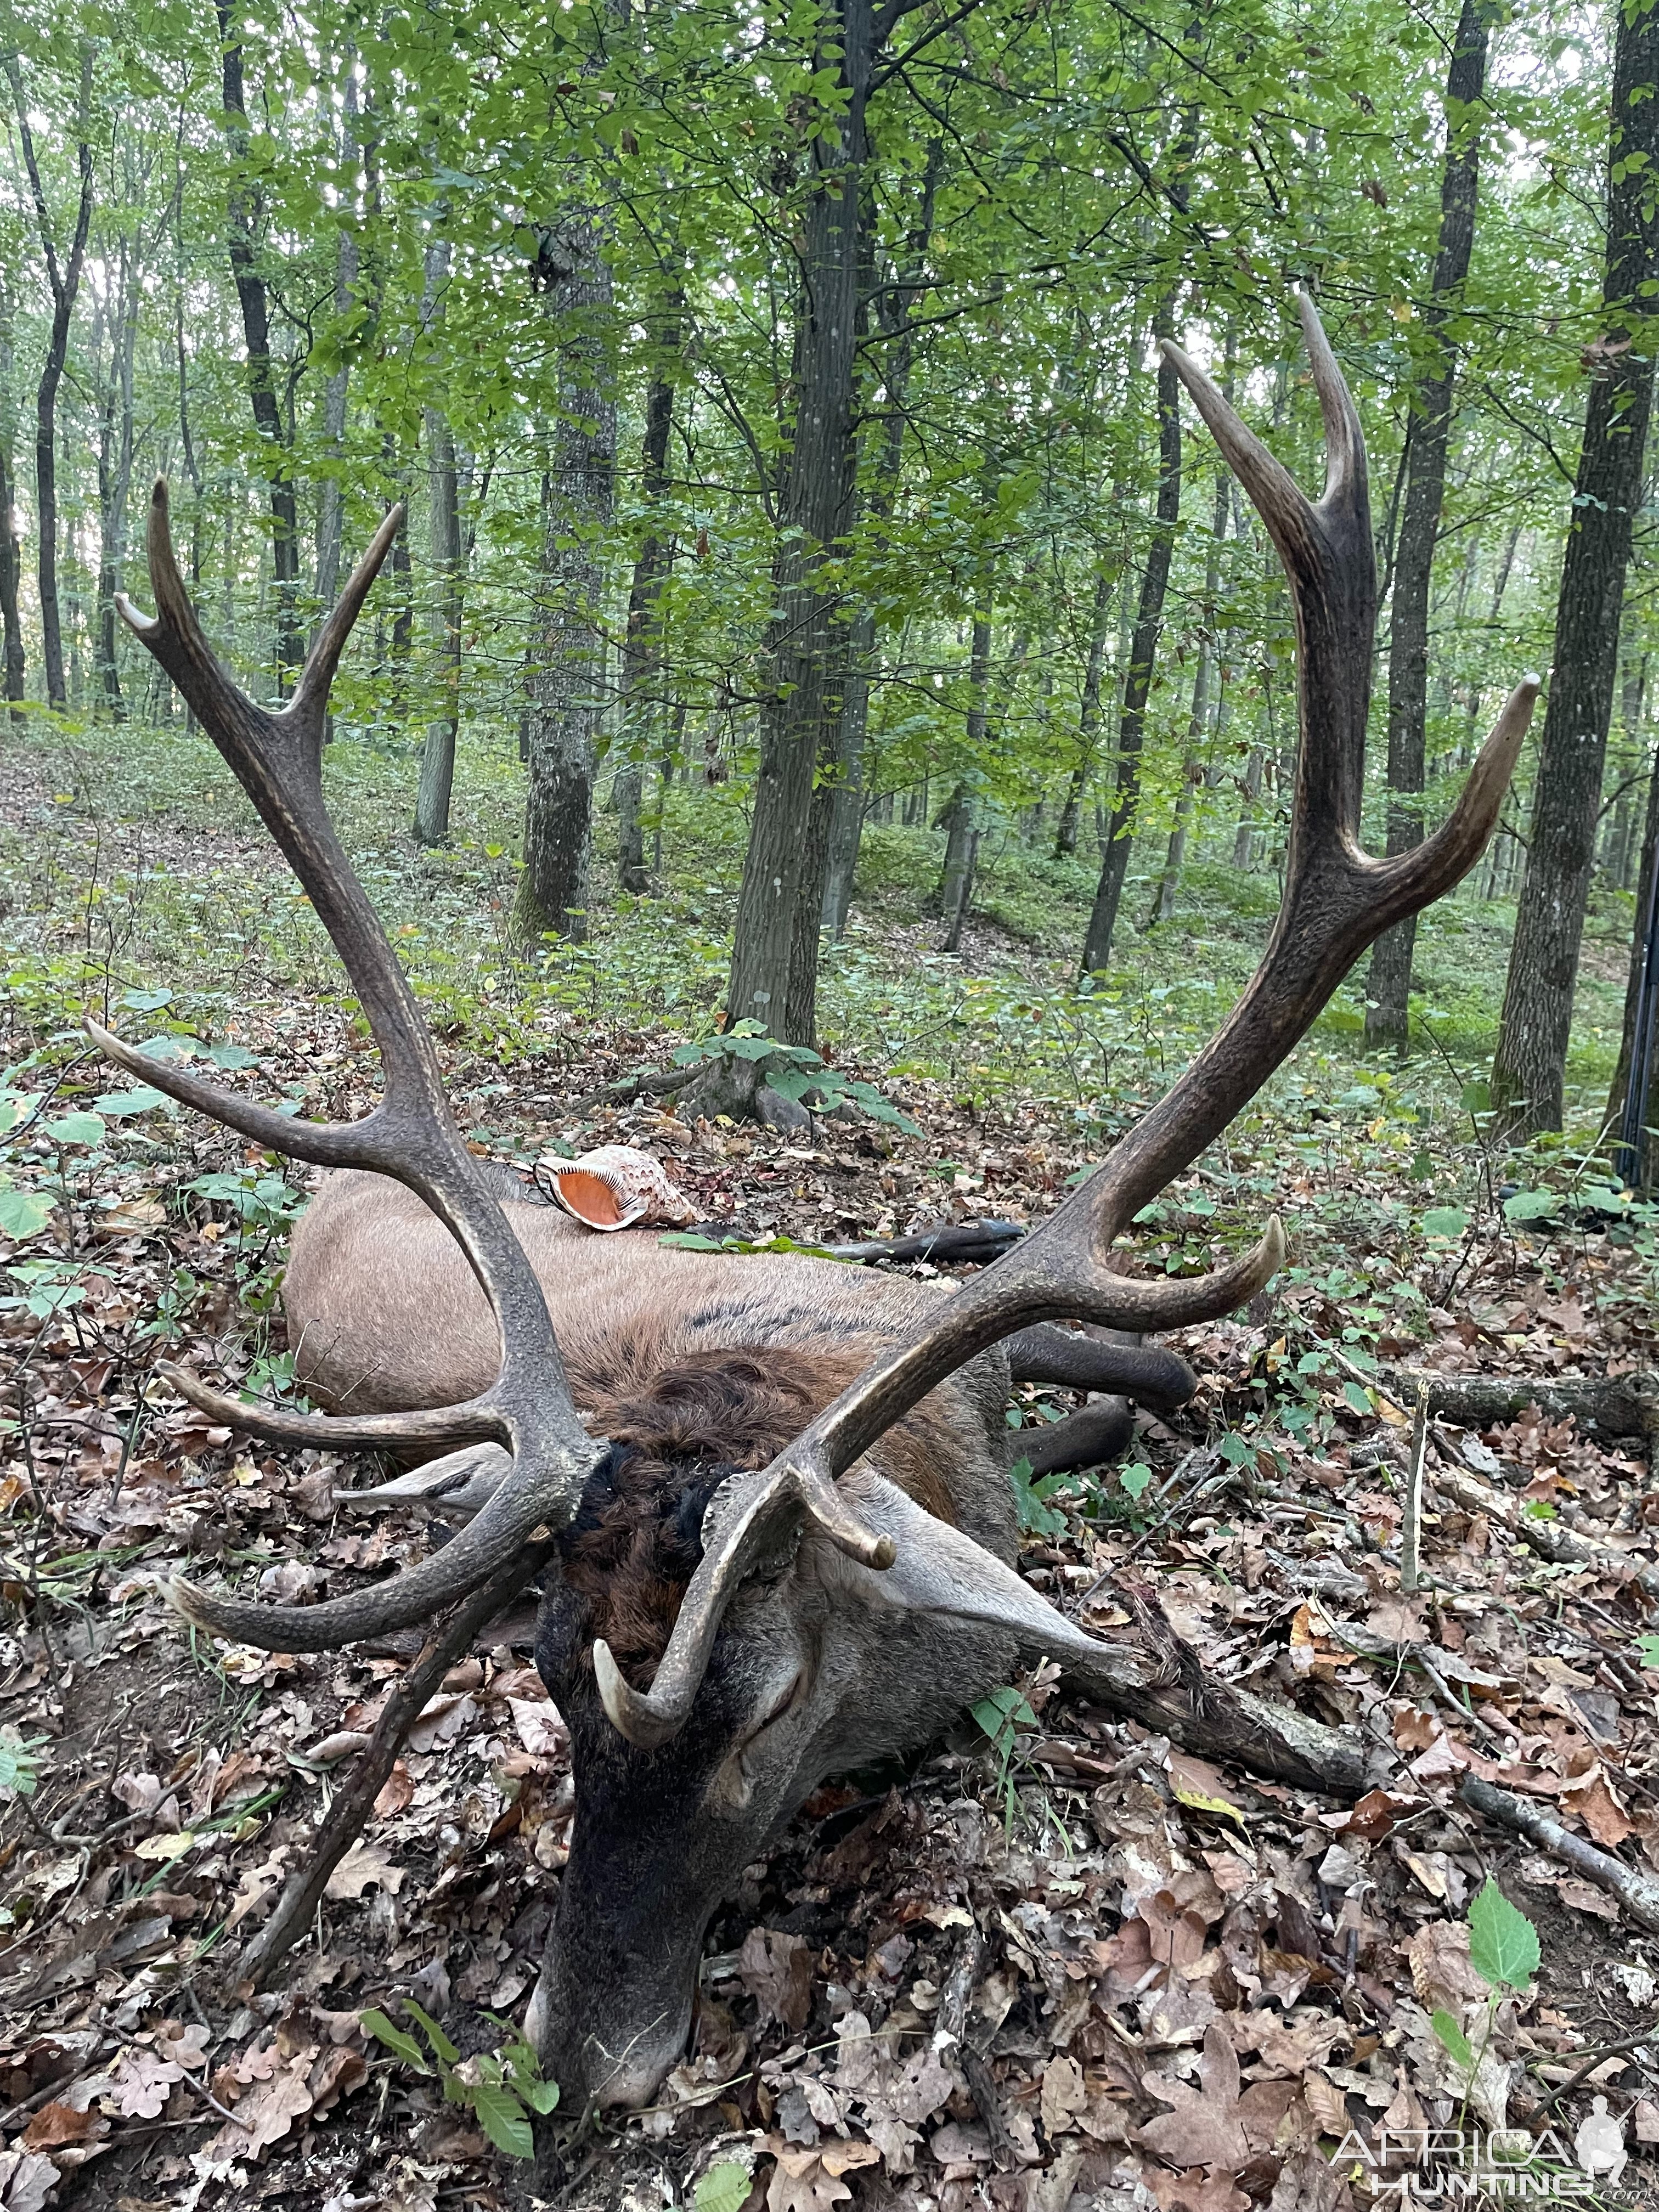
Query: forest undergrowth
(1160, 1983)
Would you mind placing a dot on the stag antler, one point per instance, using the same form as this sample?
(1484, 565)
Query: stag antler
(1336, 901)
(411, 1135)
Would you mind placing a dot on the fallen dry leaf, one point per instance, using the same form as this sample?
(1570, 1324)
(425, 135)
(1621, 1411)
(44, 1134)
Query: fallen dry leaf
(365, 1865)
(777, 1973)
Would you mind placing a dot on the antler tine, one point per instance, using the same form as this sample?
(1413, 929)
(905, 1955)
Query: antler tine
(1346, 478)
(1336, 901)
(474, 1421)
(411, 1135)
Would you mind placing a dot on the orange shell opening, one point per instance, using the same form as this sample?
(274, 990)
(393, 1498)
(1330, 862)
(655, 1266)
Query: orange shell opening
(589, 1199)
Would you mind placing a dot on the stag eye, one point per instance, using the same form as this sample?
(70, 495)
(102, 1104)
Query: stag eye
(779, 1705)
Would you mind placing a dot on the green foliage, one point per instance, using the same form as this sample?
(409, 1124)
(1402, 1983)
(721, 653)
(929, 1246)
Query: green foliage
(1001, 1715)
(724, 2188)
(1037, 1517)
(1450, 2035)
(20, 1765)
(1502, 1943)
(501, 2088)
(793, 1071)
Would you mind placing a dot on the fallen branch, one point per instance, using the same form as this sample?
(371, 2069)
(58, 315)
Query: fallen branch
(1203, 1713)
(1547, 1538)
(1615, 1405)
(354, 1804)
(1635, 1891)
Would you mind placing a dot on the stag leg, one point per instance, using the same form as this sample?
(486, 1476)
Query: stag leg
(1100, 1359)
(1095, 1436)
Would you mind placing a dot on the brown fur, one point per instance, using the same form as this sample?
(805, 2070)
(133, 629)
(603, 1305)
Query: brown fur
(678, 1431)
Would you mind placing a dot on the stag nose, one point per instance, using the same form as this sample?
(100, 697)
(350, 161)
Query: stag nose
(625, 2078)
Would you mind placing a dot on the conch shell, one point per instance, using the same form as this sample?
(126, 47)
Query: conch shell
(615, 1188)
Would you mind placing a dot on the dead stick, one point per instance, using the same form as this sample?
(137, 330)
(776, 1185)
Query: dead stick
(351, 1808)
(1638, 1896)
(1411, 1525)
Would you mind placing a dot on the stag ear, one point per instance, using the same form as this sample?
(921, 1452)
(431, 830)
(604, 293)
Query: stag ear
(938, 1570)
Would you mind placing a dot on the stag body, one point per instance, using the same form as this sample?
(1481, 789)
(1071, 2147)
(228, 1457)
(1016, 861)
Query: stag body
(697, 1367)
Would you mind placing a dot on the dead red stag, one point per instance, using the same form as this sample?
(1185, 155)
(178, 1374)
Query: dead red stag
(778, 1539)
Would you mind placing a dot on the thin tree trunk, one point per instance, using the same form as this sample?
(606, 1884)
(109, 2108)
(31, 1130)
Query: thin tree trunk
(1143, 653)
(330, 506)
(1529, 1067)
(1387, 996)
(1163, 904)
(962, 820)
(66, 283)
(1635, 1155)
(775, 950)
(242, 212)
(570, 675)
(11, 557)
(896, 314)
(641, 646)
(448, 566)
(115, 475)
(1100, 621)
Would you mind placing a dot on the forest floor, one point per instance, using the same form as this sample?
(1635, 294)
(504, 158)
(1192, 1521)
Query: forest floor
(1186, 1989)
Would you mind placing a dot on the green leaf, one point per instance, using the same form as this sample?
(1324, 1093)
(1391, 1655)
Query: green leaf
(403, 2047)
(1530, 1205)
(20, 1769)
(502, 2118)
(146, 1002)
(443, 2047)
(1445, 1221)
(23, 1212)
(115, 1105)
(724, 2188)
(1358, 1397)
(77, 1129)
(1135, 1480)
(231, 1056)
(1502, 1943)
(1451, 2037)
(1647, 1651)
(1037, 1517)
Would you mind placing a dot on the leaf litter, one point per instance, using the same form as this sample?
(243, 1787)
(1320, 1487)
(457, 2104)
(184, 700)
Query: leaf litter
(1090, 1969)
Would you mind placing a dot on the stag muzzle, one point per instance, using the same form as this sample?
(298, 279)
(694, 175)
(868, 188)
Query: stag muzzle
(612, 2010)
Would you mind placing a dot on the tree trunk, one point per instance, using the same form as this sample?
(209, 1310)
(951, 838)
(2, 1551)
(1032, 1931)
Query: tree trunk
(895, 313)
(570, 674)
(955, 895)
(774, 978)
(11, 559)
(1635, 1157)
(1143, 653)
(448, 568)
(1388, 1007)
(66, 283)
(641, 644)
(115, 474)
(1530, 1067)
(330, 506)
(241, 219)
(1163, 904)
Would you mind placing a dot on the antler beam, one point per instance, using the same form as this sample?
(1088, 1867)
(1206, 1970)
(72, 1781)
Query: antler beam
(411, 1135)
